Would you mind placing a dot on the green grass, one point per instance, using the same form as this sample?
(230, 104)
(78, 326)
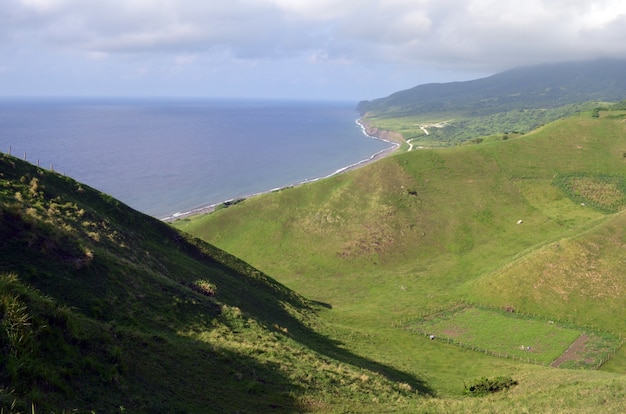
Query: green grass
(606, 193)
(462, 127)
(105, 307)
(417, 231)
(102, 307)
(509, 335)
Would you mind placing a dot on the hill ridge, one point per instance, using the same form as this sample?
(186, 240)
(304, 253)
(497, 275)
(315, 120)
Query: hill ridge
(103, 307)
(540, 86)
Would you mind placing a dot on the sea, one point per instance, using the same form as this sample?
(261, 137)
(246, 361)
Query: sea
(167, 157)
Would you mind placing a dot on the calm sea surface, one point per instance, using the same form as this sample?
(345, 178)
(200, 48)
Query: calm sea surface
(166, 157)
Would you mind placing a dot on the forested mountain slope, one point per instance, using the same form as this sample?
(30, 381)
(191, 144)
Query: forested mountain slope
(543, 86)
(515, 101)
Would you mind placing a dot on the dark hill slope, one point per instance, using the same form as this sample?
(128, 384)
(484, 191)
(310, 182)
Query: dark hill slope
(543, 86)
(103, 307)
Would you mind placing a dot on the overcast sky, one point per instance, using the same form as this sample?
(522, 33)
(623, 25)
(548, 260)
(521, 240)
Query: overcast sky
(305, 49)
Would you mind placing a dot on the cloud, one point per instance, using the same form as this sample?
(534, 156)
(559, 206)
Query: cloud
(453, 32)
(377, 42)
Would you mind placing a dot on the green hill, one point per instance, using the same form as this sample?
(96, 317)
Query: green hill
(526, 231)
(518, 100)
(105, 309)
(509, 253)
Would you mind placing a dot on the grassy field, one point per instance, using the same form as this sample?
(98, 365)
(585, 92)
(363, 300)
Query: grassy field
(525, 338)
(418, 231)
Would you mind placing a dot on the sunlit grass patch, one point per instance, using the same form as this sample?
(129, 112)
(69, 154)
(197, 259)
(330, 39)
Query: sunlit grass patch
(602, 192)
(510, 335)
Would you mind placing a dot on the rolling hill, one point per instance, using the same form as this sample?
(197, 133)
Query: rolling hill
(390, 288)
(529, 228)
(104, 309)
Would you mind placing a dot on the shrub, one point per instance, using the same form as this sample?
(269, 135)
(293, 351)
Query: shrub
(484, 386)
(205, 288)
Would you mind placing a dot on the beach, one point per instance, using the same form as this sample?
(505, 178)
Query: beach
(380, 135)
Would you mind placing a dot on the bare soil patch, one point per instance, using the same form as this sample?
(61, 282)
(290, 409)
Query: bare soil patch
(575, 352)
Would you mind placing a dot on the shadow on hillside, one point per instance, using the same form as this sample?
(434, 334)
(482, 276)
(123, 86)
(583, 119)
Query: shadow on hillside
(322, 304)
(139, 277)
(333, 349)
(264, 299)
(186, 375)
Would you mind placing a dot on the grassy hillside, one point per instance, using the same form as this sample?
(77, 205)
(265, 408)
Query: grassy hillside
(105, 309)
(532, 224)
(517, 100)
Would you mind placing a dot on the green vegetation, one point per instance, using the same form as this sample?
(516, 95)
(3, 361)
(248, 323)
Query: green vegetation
(515, 101)
(506, 334)
(484, 386)
(105, 309)
(605, 193)
(491, 224)
(534, 87)
(229, 203)
(461, 127)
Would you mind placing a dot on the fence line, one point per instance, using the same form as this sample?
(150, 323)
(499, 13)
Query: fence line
(464, 303)
(51, 169)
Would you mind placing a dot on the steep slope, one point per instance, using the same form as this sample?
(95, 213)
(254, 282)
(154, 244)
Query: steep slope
(421, 230)
(103, 308)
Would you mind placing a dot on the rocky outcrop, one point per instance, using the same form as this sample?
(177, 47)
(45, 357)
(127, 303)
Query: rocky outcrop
(381, 133)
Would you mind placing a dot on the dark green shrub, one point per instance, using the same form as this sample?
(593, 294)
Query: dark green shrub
(484, 386)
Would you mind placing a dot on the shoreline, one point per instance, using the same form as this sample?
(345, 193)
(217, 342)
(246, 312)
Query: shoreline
(375, 157)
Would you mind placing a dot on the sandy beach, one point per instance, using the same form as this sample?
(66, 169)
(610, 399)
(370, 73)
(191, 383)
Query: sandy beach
(377, 156)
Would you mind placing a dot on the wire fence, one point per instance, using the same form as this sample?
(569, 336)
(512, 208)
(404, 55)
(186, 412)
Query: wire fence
(410, 323)
(25, 158)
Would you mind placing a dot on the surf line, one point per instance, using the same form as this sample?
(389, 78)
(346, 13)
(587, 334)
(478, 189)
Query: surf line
(210, 208)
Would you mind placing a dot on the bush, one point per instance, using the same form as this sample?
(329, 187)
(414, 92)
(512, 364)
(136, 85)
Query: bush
(484, 386)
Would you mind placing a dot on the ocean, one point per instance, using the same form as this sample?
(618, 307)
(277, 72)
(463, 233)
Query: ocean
(167, 157)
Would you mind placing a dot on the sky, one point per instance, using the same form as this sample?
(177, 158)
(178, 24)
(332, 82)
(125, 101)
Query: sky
(288, 49)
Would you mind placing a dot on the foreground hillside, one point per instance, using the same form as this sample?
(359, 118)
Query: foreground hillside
(105, 309)
(528, 231)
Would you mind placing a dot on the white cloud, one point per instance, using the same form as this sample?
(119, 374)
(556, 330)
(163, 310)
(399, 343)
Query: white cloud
(468, 31)
(316, 10)
(43, 5)
(476, 35)
(186, 59)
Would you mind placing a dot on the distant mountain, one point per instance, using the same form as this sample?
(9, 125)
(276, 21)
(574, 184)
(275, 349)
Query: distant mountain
(544, 86)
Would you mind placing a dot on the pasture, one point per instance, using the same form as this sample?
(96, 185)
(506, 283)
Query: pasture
(525, 338)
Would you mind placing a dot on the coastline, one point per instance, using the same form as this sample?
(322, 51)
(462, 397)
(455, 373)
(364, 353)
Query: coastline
(373, 133)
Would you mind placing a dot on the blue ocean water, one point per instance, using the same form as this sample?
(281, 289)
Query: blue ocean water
(163, 157)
